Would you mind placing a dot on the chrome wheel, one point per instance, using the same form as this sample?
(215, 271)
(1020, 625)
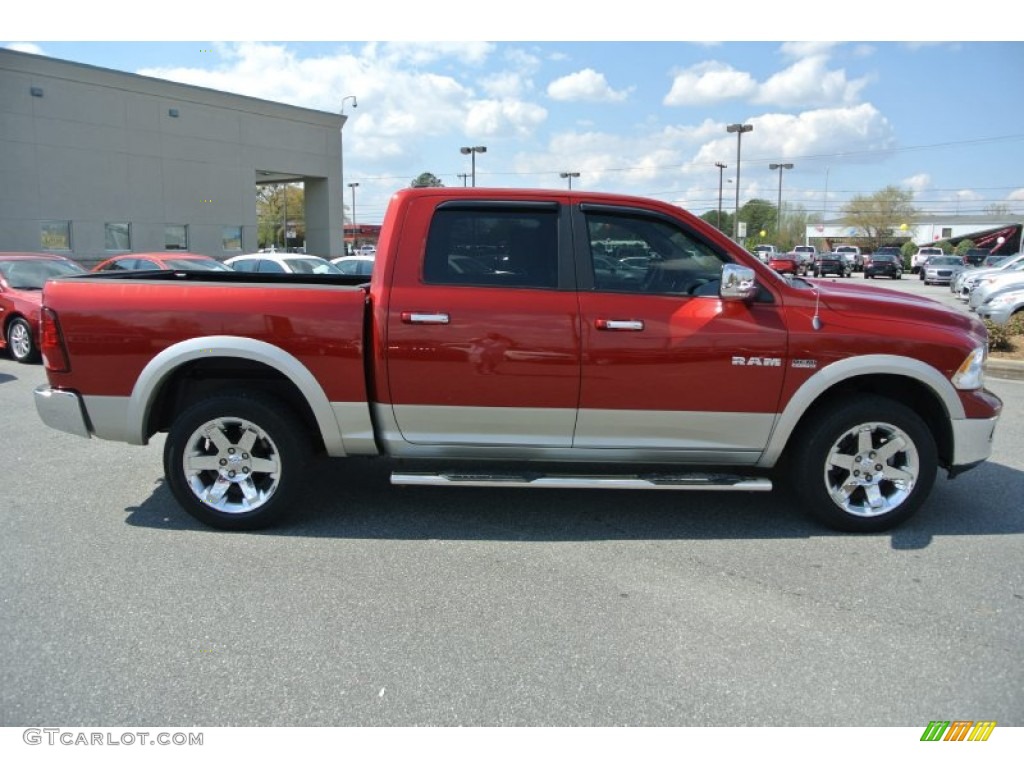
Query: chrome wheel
(231, 465)
(871, 469)
(19, 340)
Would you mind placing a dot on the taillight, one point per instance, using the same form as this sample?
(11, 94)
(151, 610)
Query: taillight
(51, 343)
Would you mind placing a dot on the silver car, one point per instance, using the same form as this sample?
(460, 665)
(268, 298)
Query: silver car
(1002, 305)
(940, 270)
(968, 280)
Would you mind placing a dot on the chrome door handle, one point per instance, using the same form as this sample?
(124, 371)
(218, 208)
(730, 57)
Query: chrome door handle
(425, 318)
(619, 325)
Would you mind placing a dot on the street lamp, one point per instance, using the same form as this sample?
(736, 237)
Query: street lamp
(341, 162)
(780, 167)
(721, 167)
(570, 175)
(472, 151)
(739, 129)
(353, 186)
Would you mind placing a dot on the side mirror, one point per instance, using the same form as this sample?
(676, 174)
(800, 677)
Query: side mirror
(738, 283)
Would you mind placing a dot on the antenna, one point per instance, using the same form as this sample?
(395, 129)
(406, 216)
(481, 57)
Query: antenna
(816, 320)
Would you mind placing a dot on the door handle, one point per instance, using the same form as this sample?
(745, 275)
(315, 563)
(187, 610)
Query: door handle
(425, 318)
(618, 325)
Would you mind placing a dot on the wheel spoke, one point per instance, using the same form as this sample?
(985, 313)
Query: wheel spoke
(891, 448)
(898, 476)
(215, 433)
(875, 498)
(841, 460)
(843, 493)
(216, 491)
(247, 441)
(864, 443)
(201, 463)
(249, 491)
(269, 466)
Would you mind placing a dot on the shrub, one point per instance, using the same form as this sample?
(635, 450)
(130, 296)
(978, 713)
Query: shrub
(999, 335)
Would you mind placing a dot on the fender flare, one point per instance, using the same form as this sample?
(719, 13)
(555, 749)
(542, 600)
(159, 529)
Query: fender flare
(848, 368)
(157, 371)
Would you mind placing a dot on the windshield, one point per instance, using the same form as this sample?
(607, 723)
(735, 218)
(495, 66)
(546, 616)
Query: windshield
(944, 261)
(313, 266)
(32, 274)
(209, 265)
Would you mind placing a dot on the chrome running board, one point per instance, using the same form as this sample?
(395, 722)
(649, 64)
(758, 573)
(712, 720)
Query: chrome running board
(682, 482)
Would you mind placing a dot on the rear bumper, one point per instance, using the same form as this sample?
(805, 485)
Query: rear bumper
(62, 410)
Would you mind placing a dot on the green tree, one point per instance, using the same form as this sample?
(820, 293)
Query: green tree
(426, 179)
(273, 203)
(877, 216)
(711, 217)
(760, 215)
(963, 247)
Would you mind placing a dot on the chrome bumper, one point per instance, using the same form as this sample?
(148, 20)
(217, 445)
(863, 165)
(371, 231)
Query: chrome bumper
(62, 410)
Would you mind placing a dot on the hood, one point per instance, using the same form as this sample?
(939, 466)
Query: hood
(854, 299)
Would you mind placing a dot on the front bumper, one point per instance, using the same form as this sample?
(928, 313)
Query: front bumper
(972, 442)
(62, 410)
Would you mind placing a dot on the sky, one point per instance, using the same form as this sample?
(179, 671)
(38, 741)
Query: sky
(941, 115)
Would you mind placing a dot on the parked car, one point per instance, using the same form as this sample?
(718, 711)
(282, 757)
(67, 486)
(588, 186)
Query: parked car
(890, 250)
(1000, 306)
(851, 253)
(354, 265)
(975, 257)
(765, 252)
(998, 281)
(132, 262)
(785, 263)
(922, 255)
(940, 270)
(805, 254)
(833, 263)
(282, 263)
(22, 276)
(884, 265)
(969, 279)
(366, 250)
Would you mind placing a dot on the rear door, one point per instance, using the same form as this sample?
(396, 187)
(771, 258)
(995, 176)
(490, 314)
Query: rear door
(483, 343)
(667, 365)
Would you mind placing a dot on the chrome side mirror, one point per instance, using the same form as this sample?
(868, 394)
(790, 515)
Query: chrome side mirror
(738, 283)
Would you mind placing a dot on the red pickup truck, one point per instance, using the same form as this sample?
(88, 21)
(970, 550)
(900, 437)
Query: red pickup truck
(503, 328)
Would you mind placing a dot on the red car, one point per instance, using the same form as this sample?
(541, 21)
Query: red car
(152, 261)
(22, 276)
(785, 262)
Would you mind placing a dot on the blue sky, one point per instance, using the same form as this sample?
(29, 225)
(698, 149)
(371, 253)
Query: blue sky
(944, 119)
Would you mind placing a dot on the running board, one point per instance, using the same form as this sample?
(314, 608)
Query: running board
(685, 482)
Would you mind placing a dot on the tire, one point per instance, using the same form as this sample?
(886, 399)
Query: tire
(236, 461)
(19, 341)
(835, 472)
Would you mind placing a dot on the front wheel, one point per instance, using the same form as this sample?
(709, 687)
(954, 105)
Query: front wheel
(866, 466)
(20, 343)
(236, 461)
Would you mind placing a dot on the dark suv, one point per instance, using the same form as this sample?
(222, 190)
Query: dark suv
(975, 257)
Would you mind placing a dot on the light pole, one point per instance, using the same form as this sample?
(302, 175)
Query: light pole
(739, 129)
(341, 162)
(353, 186)
(721, 167)
(781, 167)
(570, 175)
(472, 151)
(463, 176)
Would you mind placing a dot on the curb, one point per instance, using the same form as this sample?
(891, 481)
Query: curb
(1004, 369)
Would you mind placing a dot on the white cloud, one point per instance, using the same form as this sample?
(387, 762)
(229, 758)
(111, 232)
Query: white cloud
(801, 50)
(918, 183)
(585, 85)
(503, 117)
(25, 48)
(809, 82)
(1016, 195)
(709, 82)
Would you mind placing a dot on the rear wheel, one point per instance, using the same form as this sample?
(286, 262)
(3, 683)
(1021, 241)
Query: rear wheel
(19, 341)
(866, 466)
(236, 461)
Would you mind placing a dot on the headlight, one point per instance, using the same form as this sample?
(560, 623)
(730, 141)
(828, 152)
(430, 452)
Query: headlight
(971, 373)
(998, 300)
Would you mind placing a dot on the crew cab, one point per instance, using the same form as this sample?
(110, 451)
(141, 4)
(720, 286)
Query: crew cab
(700, 369)
(918, 260)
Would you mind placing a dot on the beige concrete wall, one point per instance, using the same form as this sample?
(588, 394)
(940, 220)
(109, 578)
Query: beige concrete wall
(101, 146)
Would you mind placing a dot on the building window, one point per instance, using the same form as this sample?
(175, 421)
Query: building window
(232, 238)
(176, 237)
(947, 232)
(118, 236)
(55, 235)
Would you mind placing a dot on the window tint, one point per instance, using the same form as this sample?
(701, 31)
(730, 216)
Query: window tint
(517, 249)
(646, 255)
(244, 265)
(266, 265)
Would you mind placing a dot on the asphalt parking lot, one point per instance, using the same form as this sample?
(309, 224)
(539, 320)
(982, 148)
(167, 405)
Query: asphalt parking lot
(382, 606)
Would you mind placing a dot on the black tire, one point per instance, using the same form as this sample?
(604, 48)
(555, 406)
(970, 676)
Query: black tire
(857, 434)
(19, 341)
(256, 466)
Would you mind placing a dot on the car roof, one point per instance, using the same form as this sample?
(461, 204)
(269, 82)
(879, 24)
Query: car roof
(28, 256)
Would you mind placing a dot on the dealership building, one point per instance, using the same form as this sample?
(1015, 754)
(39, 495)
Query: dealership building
(96, 162)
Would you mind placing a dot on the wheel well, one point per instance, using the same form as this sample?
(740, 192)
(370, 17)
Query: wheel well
(199, 379)
(909, 392)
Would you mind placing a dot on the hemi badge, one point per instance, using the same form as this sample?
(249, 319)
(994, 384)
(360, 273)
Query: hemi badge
(805, 363)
